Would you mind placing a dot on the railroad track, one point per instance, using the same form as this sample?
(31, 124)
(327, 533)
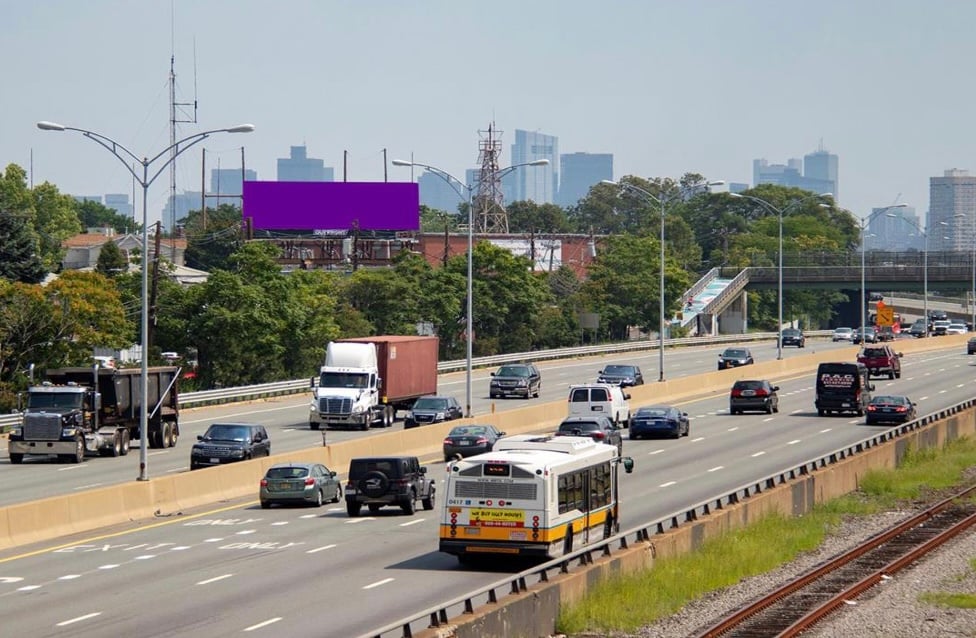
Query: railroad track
(803, 602)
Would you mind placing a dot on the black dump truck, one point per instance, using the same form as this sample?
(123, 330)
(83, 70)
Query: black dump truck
(79, 411)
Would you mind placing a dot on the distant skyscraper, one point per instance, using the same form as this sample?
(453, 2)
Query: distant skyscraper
(578, 172)
(436, 192)
(227, 182)
(952, 211)
(301, 168)
(119, 202)
(896, 229)
(184, 203)
(817, 172)
(534, 183)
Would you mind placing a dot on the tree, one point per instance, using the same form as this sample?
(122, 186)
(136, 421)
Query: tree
(97, 215)
(55, 219)
(111, 260)
(19, 256)
(529, 217)
(212, 237)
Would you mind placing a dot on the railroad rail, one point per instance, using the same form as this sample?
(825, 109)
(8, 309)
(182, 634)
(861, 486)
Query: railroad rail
(798, 605)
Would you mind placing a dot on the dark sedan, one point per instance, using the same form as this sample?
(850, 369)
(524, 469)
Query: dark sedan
(793, 337)
(659, 419)
(431, 409)
(735, 357)
(971, 345)
(468, 440)
(622, 375)
(890, 409)
(305, 483)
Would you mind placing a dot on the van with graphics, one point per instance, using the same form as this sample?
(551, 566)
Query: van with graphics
(842, 387)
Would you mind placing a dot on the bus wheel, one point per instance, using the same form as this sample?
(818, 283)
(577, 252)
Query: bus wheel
(608, 527)
(568, 542)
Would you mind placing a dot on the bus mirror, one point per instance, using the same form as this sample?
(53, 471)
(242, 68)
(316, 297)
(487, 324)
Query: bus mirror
(628, 464)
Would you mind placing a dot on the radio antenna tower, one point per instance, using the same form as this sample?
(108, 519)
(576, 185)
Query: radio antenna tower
(489, 212)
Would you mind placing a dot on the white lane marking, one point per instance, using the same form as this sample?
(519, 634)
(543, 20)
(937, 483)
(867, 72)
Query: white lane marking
(960, 385)
(214, 579)
(269, 621)
(155, 453)
(668, 484)
(278, 523)
(69, 577)
(357, 521)
(65, 623)
(176, 469)
(769, 418)
(72, 467)
(320, 549)
(733, 429)
(28, 588)
(310, 515)
(10, 580)
(794, 442)
(378, 583)
(825, 431)
(717, 468)
(654, 452)
(179, 548)
(796, 411)
(109, 566)
(923, 398)
(145, 557)
(212, 540)
(758, 454)
(413, 522)
(245, 532)
(700, 438)
(942, 391)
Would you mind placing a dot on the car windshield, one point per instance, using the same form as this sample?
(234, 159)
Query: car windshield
(430, 403)
(618, 370)
(843, 330)
(343, 380)
(226, 433)
(287, 473)
(735, 354)
(469, 430)
(651, 412)
(890, 400)
(513, 371)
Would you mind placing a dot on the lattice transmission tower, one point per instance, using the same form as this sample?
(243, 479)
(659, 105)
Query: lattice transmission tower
(489, 211)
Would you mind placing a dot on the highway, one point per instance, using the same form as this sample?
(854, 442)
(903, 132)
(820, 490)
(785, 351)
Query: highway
(286, 419)
(298, 572)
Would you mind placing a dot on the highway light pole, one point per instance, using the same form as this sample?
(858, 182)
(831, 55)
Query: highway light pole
(660, 200)
(124, 155)
(455, 183)
(779, 280)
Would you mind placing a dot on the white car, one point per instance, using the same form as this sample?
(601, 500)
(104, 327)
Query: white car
(956, 329)
(842, 334)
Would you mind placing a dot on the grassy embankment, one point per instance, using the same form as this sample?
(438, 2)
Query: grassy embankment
(624, 604)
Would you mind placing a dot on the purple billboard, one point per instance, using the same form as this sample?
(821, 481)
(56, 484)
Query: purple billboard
(332, 205)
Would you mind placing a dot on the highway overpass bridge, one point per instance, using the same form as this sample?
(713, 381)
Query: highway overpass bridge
(720, 302)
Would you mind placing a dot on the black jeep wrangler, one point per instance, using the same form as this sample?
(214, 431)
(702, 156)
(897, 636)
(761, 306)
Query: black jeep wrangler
(377, 481)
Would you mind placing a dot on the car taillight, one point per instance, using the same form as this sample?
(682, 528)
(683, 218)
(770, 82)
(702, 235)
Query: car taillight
(761, 393)
(599, 436)
(737, 393)
(481, 440)
(872, 408)
(448, 442)
(350, 485)
(901, 408)
(264, 482)
(310, 481)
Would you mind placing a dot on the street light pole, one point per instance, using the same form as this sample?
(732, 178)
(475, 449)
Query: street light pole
(454, 183)
(660, 200)
(175, 150)
(779, 278)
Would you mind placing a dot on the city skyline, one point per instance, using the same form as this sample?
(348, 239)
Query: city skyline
(667, 88)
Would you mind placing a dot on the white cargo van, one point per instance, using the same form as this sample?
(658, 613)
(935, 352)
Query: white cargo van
(600, 398)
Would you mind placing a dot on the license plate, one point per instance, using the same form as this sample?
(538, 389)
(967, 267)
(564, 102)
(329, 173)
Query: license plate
(845, 405)
(748, 393)
(597, 408)
(517, 536)
(472, 531)
(215, 460)
(464, 442)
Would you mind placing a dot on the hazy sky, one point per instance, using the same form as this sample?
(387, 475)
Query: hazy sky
(668, 87)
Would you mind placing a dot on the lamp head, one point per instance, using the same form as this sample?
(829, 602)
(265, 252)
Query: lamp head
(609, 182)
(736, 195)
(240, 128)
(400, 162)
(718, 182)
(50, 126)
(539, 162)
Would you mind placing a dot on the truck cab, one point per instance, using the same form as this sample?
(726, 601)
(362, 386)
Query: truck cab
(348, 389)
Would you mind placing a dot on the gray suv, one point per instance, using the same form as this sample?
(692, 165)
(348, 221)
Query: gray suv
(378, 481)
(229, 442)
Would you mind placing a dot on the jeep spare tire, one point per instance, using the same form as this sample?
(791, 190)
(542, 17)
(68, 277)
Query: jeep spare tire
(374, 484)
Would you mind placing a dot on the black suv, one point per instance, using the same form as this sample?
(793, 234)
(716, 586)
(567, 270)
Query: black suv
(597, 427)
(515, 379)
(793, 337)
(377, 481)
(229, 442)
(756, 394)
(622, 375)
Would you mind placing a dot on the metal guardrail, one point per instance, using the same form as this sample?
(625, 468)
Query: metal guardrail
(440, 615)
(295, 386)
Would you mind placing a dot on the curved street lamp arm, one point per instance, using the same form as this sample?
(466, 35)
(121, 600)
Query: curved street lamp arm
(452, 181)
(182, 145)
(112, 146)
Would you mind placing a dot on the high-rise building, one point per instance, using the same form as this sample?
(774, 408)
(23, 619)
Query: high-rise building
(298, 167)
(895, 229)
(119, 202)
(578, 172)
(436, 192)
(184, 203)
(227, 185)
(536, 183)
(816, 172)
(952, 211)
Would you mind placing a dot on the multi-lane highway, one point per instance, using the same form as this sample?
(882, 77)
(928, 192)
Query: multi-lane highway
(316, 572)
(286, 419)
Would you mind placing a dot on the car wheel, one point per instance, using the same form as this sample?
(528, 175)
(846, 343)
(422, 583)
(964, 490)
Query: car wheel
(338, 494)
(898, 375)
(776, 407)
(408, 506)
(16, 459)
(769, 409)
(891, 375)
(265, 505)
(688, 430)
(352, 508)
(319, 498)
(428, 502)
(313, 426)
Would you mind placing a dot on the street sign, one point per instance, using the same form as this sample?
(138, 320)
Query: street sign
(886, 315)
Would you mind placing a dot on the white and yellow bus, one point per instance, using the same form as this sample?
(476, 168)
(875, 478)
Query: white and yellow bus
(532, 496)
